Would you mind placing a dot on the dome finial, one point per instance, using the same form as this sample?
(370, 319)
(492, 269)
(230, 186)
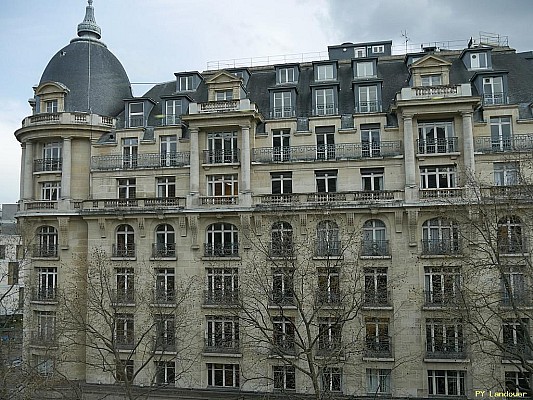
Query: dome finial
(89, 27)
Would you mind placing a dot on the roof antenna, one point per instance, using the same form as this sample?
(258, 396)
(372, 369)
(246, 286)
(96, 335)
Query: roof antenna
(404, 35)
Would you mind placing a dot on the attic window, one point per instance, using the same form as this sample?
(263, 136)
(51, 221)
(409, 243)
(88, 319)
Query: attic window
(186, 83)
(378, 49)
(359, 52)
(431, 80)
(286, 75)
(224, 95)
(51, 106)
(478, 60)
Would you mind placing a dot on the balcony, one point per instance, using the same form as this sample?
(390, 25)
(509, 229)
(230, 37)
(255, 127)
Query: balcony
(165, 344)
(329, 348)
(124, 205)
(516, 351)
(123, 250)
(281, 298)
(283, 346)
(164, 297)
(326, 109)
(448, 297)
(222, 345)
(221, 156)
(441, 247)
(362, 197)
(68, 118)
(441, 193)
(336, 152)
(519, 143)
(125, 342)
(378, 347)
(375, 248)
(509, 192)
(329, 248)
(376, 299)
(367, 107)
(221, 250)
(324, 297)
(44, 294)
(224, 106)
(281, 249)
(163, 250)
(43, 338)
(516, 298)
(40, 205)
(431, 92)
(513, 246)
(221, 297)
(437, 146)
(283, 112)
(45, 251)
(47, 164)
(123, 296)
(144, 160)
(219, 200)
(171, 119)
(446, 352)
(497, 98)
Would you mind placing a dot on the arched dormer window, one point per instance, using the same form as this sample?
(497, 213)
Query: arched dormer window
(47, 242)
(222, 240)
(440, 237)
(125, 241)
(510, 235)
(165, 241)
(374, 239)
(282, 242)
(328, 243)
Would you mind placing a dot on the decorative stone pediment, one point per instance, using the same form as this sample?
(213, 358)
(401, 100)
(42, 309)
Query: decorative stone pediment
(223, 78)
(430, 61)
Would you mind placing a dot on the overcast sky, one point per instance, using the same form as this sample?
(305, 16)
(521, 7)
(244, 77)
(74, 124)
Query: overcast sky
(155, 38)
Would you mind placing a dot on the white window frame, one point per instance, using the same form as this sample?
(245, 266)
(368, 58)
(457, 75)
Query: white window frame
(493, 92)
(223, 185)
(126, 188)
(222, 282)
(444, 336)
(372, 179)
(326, 181)
(379, 48)
(51, 191)
(378, 381)
(368, 99)
(136, 116)
(222, 331)
(454, 382)
(282, 104)
(222, 148)
(501, 132)
(52, 156)
(174, 109)
(359, 52)
(431, 80)
(281, 141)
(506, 173)
(365, 69)
(478, 60)
(223, 373)
(284, 180)
(442, 284)
(286, 75)
(186, 83)
(224, 95)
(166, 187)
(325, 101)
(165, 284)
(325, 72)
(130, 149)
(444, 177)
(165, 370)
(51, 106)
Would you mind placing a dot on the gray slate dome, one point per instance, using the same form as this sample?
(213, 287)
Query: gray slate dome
(108, 85)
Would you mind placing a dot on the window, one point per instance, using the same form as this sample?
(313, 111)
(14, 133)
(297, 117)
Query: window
(47, 284)
(222, 148)
(167, 150)
(222, 286)
(516, 338)
(359, 52)
(506, 173)
(124, 371)
(281, 235)
(124, 331)
(364, 69)
(444, 338)
(129, 152)
(378, 381)
(370, 140)
(165, 339)
(13, 273)
(478, 60)
(372, 179)
(493, 92)
(441, 177)
(328, 286)
(281, 150)
(378, 49)
(328, 243)
(500, 133)
(2, 251)
(286, 75)
(222, 334)
(377, 338)
(451, 383)
(376, 291)
(165, 372)
(164, 286)
(224, 95)
(126, 188)
(43, 364)
(281, 182)
(282, 102)
(165, 241)
(223, 186)
(325, 142)
(52, 153)
(136, 111)
(48, 241)
(374, 239)
(431, 80)
(46, 328)
(513, 284)
(326, 181)
(442, 285)
(436, 137)
(283, 335)
(186, 83)
(325, 72)
(51, 191)
(222, 240)
(329, 335)
(325, 102)
(174, 111)
(510, 238)
(440, 237)
(367, 99)
(223, 375)
(125, 289)
(51, 106)
(332, 379)
(282, 286)
(518, 382)
(166, 187)
(125, 245)
(284, 377)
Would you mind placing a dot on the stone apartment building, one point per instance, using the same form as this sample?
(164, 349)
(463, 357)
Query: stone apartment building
(285, 228)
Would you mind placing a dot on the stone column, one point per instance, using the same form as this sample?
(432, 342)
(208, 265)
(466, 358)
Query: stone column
(245, 160)
(411, 192)
(27, 184)
(66, 168)
(468, 145)
(194, 170)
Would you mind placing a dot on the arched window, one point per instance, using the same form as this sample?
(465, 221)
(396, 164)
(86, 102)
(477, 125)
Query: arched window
(282, 244)
(328, 243)
(165, 241)
(510, 236)
(222, 240)
(374, 238)
(440, 236)
(125, 245)
(48, 239)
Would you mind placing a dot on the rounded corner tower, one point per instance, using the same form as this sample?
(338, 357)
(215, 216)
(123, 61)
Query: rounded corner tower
(95, 80)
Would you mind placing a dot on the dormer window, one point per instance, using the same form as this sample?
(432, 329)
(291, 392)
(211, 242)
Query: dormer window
(478, 61)
(359, 52)
(286, 75)
(136, 114)
(51, 106)
(186, 83)
(378, 49)
(365, 69)
(493, 92)
(431, 80)
(223, 95)
(325, 72)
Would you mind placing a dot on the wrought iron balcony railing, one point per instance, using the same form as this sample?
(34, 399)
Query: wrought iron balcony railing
(281, 249)
(143, 160)
(125, 342)
(221, 156)
(123, 250)
(441, 247)
(376, 248)
(328, 248)
(221, 250)
(437, 146)
(517, 297)
(517, 351)
(221, 297)
(164, 296)
(283, 112)
(222, 345)
(45, 251)
(282, 298)
(368, 106)
(455, 351)
(380, 298)
(378, 347)
(517, 142)
(45, 338)
(447, 297)
(47, 164)
(495, 98)
(45, 294)
(284, 346)
(163, 250)
(165, 343)
(125, 296)
(326, 297)
(512, 246)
